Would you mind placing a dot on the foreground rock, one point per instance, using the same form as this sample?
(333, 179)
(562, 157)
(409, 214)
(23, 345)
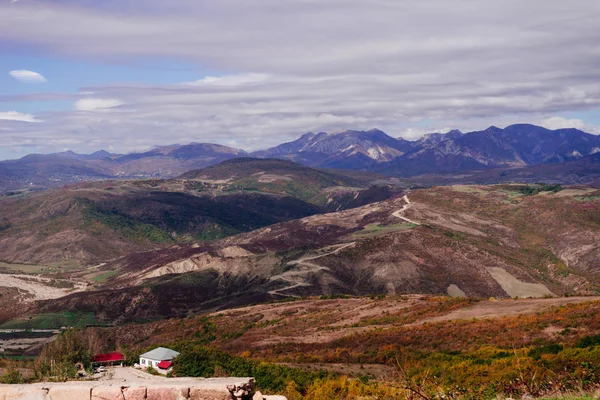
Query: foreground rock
(179, 389)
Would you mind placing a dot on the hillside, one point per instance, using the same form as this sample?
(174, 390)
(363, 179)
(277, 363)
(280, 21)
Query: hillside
(88, 223)
(95, 222)
(383, 346)
(324, 187)
(476, 241)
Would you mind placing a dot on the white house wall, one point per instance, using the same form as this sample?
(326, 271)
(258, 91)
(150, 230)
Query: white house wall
(146, 362)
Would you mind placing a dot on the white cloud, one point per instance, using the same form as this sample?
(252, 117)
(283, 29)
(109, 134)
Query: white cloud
(93, 104)
(405, 66)
(26, 76)
(414, 133)
(17, 116)
(561, 123)
(231, 80)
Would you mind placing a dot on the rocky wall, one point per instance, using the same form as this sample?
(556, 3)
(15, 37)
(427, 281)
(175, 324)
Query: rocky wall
(208, 389)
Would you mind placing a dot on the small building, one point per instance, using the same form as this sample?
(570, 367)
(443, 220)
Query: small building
(108, 359)
(161, 359)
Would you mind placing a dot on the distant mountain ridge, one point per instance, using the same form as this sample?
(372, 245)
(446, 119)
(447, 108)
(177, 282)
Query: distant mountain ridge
(515, 146)
(519, 145)
(49, 170)
(344, 150)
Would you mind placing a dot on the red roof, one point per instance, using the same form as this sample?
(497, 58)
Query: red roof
(108, 357)
(164, 364)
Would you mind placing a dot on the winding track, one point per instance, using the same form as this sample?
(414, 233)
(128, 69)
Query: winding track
(295, 278)
(400, 212)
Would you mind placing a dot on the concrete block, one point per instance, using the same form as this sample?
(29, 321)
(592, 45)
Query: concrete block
(23, 393)
(107, 393)
(167, 393)
(69, 392)
(134, 393)
(199, 393)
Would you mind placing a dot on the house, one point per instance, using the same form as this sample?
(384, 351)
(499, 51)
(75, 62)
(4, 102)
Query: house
(161, 359)
(108, 359)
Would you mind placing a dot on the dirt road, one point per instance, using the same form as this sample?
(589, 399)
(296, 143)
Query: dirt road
(400, 213)
(296, 277)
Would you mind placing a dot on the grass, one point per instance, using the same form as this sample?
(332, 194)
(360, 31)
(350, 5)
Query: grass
(569, 398)
(376, 229)
(66, 264)
(469, 189)
(22, 268)
(586, 198)
(532, 190)
(102, 277)
(51, 321)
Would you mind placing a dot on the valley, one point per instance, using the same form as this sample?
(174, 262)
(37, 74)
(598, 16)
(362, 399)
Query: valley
(299, 200)
(314, 274)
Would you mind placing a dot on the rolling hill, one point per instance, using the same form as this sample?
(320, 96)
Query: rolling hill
(476, 241)
(92, 222)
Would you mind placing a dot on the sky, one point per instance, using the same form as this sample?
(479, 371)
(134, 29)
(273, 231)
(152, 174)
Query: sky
(128, 75)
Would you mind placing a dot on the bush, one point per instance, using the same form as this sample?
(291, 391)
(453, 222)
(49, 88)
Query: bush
(12, 376)
(151, 371)
(206, 362)
(536, 353)
(589, 341)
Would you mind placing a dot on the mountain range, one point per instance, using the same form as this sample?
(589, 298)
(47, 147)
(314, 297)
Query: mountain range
(516, 146)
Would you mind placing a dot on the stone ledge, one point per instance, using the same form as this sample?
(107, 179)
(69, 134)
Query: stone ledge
(202, 389)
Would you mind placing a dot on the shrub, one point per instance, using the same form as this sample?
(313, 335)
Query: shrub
(589, 341)
(12, 376)
(536, 353)
(206, 362)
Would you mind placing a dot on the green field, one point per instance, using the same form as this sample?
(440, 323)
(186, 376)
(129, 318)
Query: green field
(376, 229)
(63, 266)
(22, 268)
(103, 276)
(51, 321)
